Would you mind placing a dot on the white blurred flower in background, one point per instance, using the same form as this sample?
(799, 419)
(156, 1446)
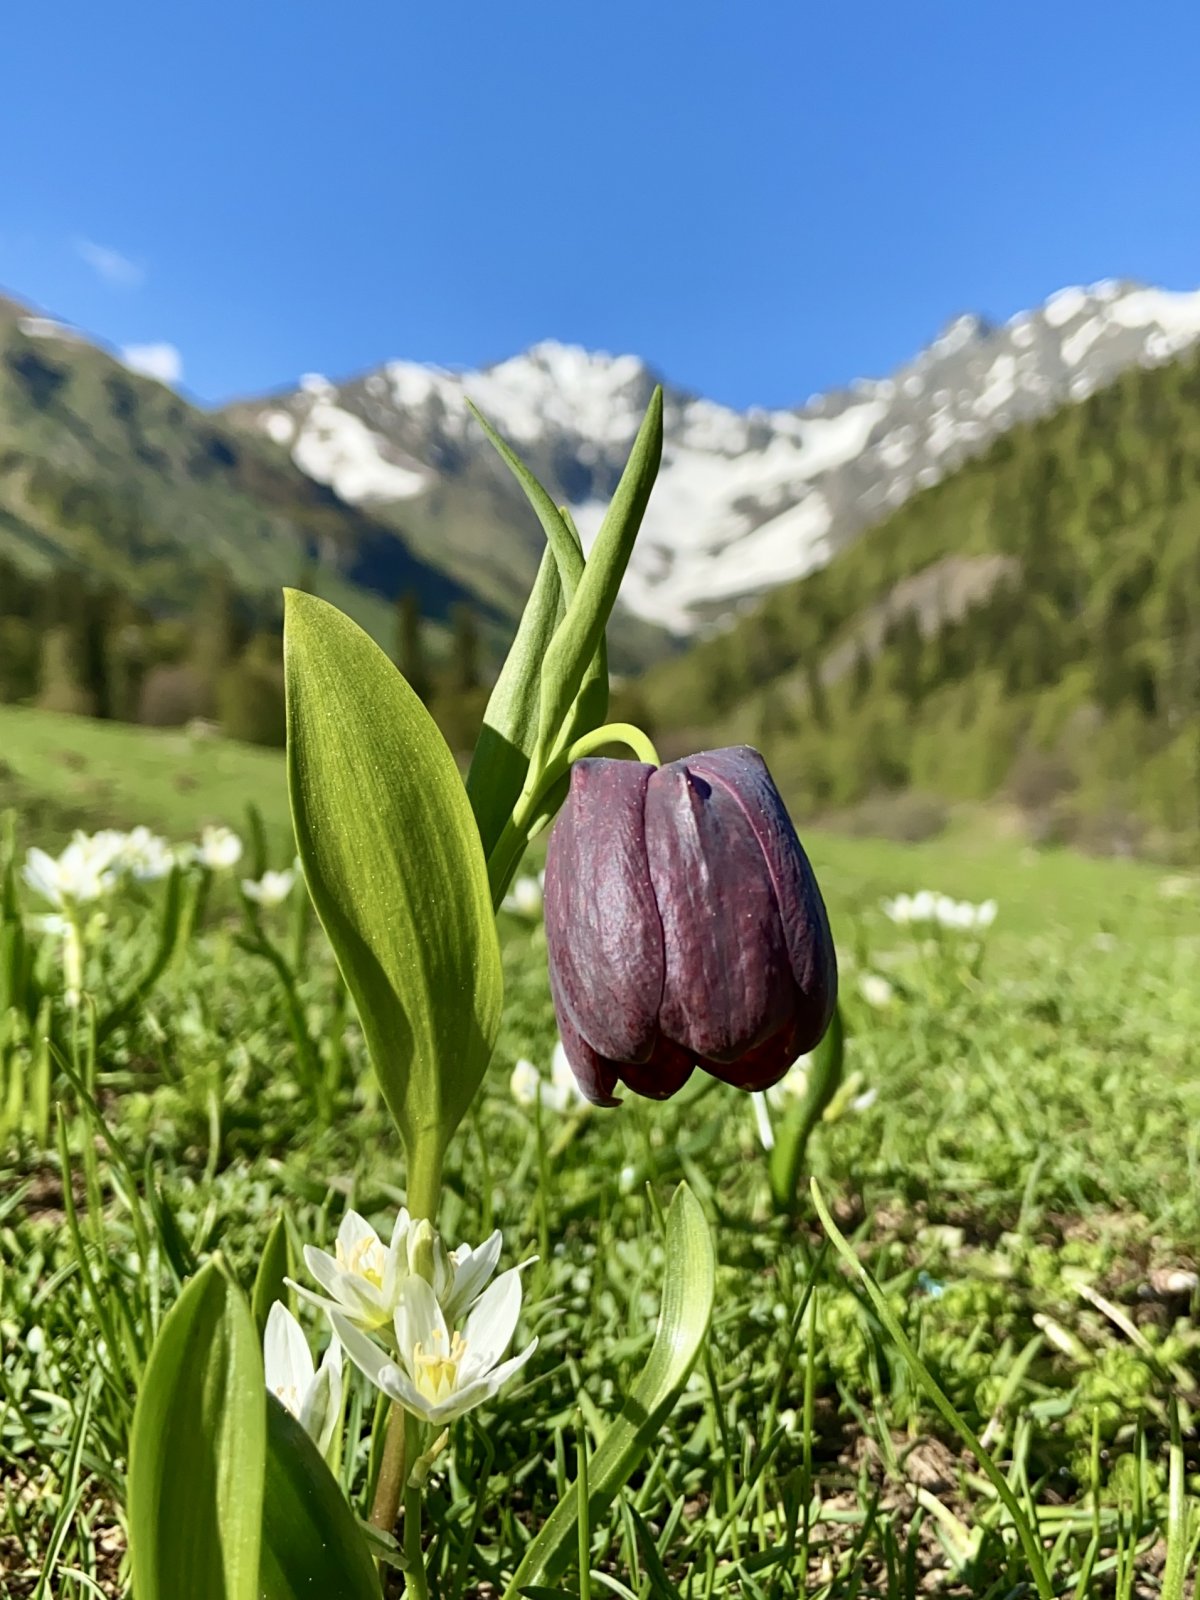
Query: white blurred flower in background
(272, 889)
(875, 989)
(558, 1093)
(218, 850)
(524, 899)
(927, 906)
(146, 856)
(86, 871)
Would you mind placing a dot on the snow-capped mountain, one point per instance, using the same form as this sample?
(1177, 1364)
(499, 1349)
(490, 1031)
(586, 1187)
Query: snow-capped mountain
(744, 500)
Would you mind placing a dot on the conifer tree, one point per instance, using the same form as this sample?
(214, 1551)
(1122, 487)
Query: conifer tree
(215, 634)
(464, 652)
(410, 644)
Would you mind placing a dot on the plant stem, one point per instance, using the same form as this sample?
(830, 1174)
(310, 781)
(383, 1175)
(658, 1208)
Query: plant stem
(389, 1486)
(425, 1177)
(416, 1583)
(424, 1187)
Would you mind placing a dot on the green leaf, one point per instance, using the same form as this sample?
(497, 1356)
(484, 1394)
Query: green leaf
(802, 1116)
(591, 703)
(580, 633)
(272, 1270)
(510, 723)
(393, 861)
(197, 1452)
(311, 1544)
(560, 534)
(687, 1300)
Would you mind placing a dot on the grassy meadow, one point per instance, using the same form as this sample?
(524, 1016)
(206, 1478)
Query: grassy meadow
(1013, 1155)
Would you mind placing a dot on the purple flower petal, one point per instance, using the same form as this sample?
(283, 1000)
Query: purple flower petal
(603, 931)
(728, 983)
(742, 773)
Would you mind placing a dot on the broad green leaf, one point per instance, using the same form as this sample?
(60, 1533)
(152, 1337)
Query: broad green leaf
(393, 861)
(510, 723)
(795, 1129)
(687, 1300)
(272, 1270)
(579, 634)
(197, 1452)
(311, 1544)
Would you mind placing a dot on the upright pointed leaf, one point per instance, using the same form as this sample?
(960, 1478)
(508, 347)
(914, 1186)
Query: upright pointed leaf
(689, 1280)
(798, 1123)
(197, 1453)
(510, 723)
(562, 539)
(591, 703)
(311, 1546)
(272, 1270)
(581, 630)
(393, 861)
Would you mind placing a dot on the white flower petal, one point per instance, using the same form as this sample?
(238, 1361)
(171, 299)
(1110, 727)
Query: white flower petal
(419, 1321)
(473, 1271)
(287, 1360)
(371, 1361)
(492, 1322)
(322, 1406)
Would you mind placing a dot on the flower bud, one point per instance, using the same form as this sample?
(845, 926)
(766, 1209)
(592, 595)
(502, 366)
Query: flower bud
(684, 926)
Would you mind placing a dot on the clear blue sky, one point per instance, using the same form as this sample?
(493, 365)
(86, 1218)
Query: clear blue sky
(763, 199)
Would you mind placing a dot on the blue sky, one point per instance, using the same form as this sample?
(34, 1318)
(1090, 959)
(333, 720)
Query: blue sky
(763, 199)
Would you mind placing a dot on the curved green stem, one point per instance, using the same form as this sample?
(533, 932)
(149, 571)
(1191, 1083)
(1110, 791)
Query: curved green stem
(611, 733)
(510, 846)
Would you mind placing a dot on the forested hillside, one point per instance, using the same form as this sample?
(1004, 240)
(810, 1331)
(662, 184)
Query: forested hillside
(1030, 626)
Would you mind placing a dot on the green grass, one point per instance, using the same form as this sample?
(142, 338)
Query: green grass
(1023, 1188)
(64, 772)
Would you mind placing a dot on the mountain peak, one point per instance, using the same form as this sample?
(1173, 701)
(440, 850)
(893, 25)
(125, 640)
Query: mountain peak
(744, 500)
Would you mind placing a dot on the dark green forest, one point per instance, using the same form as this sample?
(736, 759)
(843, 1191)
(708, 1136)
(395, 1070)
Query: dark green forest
(73, 644)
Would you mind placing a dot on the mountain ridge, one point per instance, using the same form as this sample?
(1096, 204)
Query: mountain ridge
(745, 499)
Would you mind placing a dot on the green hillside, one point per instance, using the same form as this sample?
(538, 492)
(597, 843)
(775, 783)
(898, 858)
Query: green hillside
(118, 476)
(1029, 627)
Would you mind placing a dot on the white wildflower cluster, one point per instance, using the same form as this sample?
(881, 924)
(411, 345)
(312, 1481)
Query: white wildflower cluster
(926, 906)
(427, 1326)
(93, 864)
(558, 1093)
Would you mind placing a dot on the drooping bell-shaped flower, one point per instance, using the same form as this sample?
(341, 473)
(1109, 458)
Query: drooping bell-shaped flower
(684, 926)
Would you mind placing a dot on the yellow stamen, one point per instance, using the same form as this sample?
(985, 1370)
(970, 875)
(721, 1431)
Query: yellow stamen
(435, 1374)
(365, 1260)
